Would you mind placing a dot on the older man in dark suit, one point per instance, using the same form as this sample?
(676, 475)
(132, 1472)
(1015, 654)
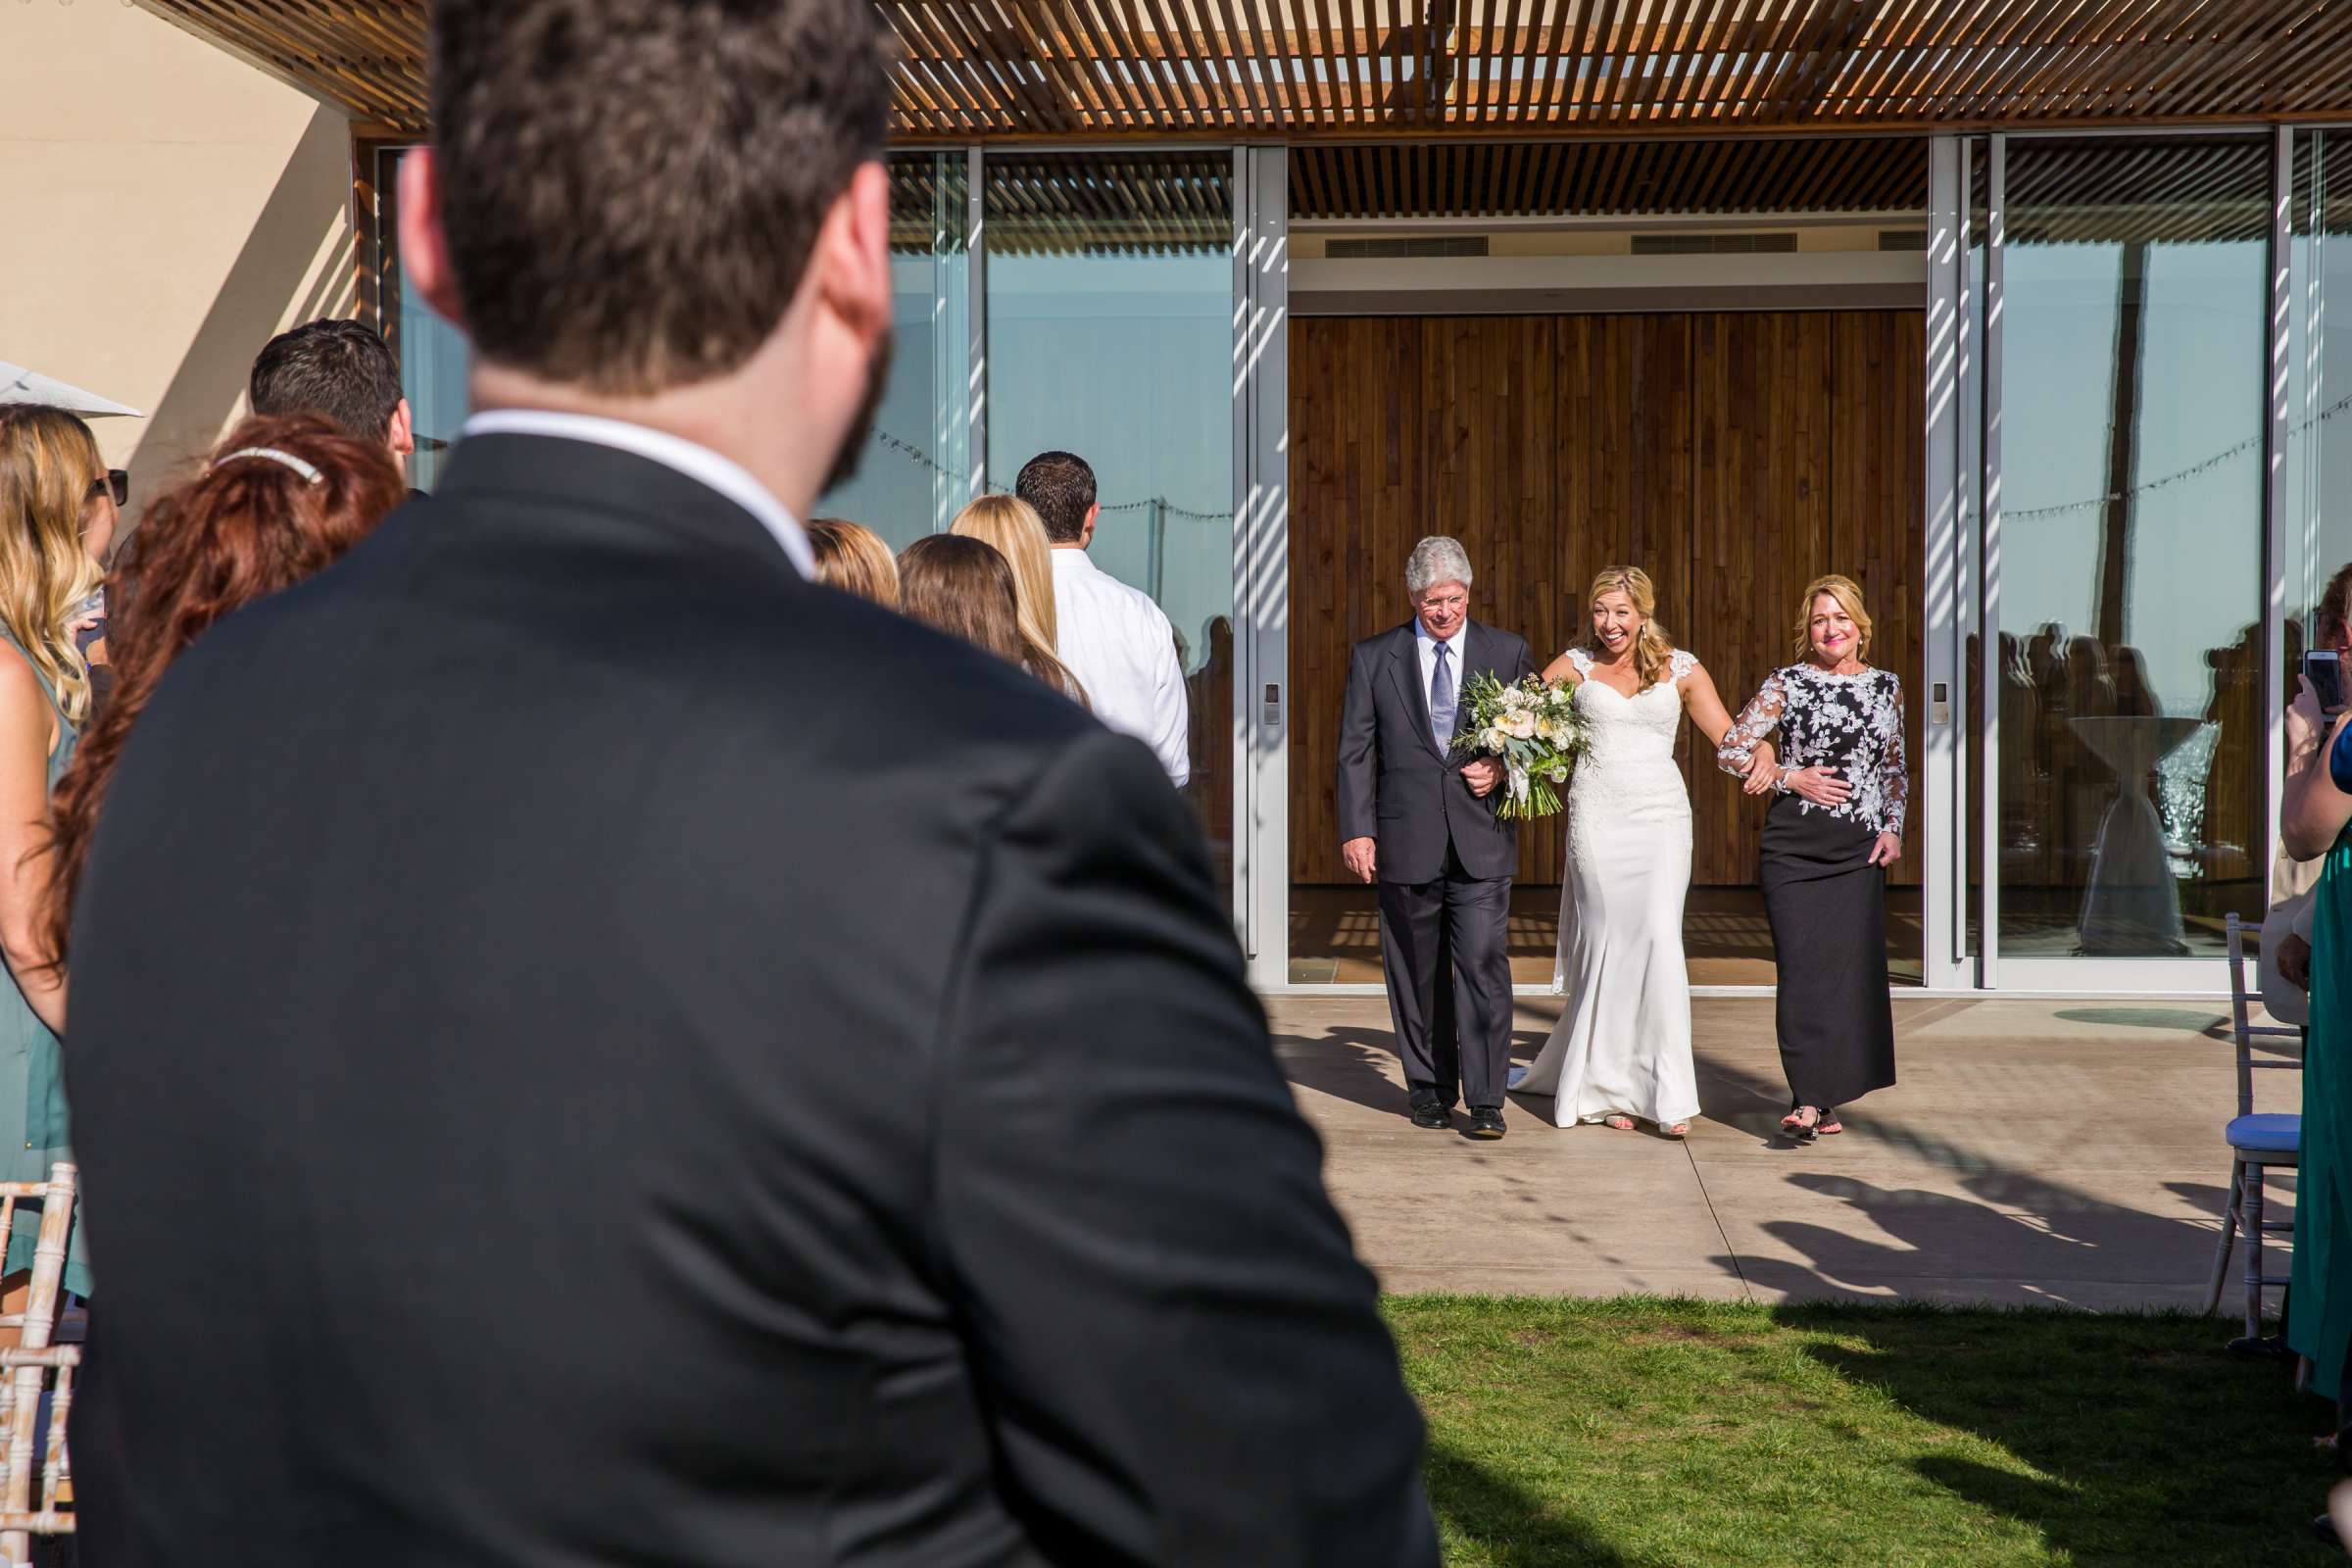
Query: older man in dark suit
(592, 1048)
(1418, 817)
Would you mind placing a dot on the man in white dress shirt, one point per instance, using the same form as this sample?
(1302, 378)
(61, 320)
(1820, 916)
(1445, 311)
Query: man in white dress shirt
(1115, 640)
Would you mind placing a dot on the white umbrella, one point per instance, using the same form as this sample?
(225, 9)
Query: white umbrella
(20, 385)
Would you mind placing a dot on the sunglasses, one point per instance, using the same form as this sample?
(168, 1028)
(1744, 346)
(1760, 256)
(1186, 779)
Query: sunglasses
(116, 481)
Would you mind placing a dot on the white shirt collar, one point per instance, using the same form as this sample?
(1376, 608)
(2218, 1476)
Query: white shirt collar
(691, 459)
(1421, 635)
(1074, 556)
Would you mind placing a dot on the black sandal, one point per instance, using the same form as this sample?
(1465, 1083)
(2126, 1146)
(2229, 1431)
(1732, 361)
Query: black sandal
(1798, 1128)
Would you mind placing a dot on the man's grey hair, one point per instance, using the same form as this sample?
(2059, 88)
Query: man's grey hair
(1435, 560)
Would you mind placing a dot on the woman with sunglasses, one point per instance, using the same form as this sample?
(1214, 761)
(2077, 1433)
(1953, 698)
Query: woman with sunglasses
(59, 507)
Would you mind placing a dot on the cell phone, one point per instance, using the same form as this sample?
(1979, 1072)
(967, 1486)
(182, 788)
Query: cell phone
(2325, 673)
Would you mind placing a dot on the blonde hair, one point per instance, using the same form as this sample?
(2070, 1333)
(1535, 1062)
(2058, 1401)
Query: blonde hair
(1653, 655)
(1014, 527)
(48, 461)
(854, 559)
(1848, 595)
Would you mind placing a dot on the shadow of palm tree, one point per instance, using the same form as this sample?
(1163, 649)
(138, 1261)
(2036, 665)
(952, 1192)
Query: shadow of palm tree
(1483, 1506)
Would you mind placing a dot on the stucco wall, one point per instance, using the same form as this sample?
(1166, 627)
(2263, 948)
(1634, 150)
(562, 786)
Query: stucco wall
(166, 206)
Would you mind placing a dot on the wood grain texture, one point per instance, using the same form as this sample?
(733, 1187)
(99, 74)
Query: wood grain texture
(1734, 456)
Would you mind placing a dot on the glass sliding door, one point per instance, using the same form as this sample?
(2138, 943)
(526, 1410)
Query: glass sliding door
(2124, 601)
(1110, 334)
(2319, 444)
(916, 470)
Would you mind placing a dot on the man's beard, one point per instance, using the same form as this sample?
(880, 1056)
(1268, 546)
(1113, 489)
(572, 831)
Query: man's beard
(853, 442)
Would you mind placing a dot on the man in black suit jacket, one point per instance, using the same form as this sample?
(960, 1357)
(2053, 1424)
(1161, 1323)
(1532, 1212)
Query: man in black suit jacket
(591, 1048)
(1419, 816)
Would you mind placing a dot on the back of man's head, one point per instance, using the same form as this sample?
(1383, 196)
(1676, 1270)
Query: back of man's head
(336, 367)
(1061, 488)
(631, 192)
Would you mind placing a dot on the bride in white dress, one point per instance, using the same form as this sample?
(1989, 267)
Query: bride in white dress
(1622, 1047)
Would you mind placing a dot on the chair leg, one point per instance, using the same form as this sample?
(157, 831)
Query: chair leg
(2221, 1252)
(2252, 1182)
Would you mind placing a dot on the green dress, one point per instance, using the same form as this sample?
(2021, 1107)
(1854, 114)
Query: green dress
(2320, 1327)
(32, 1088)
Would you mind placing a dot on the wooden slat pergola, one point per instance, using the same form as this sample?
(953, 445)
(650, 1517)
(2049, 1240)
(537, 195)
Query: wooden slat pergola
(1304, 70)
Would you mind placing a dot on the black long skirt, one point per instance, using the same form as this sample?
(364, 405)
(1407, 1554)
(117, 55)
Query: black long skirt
(1827, 909)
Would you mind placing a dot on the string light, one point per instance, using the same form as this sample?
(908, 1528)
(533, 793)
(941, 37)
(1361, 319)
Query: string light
(908, 449)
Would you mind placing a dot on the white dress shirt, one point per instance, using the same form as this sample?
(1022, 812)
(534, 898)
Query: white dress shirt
(696, 461)
(1121, 648)
(1428, 646)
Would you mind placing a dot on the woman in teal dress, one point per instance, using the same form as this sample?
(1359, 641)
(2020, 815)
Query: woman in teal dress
(59, 506)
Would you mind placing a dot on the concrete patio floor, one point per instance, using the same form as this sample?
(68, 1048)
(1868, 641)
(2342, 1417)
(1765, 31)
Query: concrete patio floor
(2067, 1153)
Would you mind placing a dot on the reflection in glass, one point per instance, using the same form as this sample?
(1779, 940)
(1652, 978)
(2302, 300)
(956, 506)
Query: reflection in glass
(914, 471)
(2319, 444)
(433, 354)
(1110, 335)
(2128, 673)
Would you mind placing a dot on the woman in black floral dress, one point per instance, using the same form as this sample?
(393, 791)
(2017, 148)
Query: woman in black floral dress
(1838, 824)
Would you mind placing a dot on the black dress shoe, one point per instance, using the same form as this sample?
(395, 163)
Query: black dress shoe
(1427, 1112)
(1486, 1121)
(2262, 1347)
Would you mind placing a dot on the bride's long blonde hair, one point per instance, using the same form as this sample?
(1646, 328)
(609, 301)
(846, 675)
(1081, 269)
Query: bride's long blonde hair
(1653, 655)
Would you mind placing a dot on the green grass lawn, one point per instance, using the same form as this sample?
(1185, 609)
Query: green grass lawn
(1663, 1434)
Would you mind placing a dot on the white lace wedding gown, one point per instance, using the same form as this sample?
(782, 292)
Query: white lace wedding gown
(1623, 1044)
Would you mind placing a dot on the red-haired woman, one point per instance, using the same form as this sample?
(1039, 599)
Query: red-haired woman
(282, 498)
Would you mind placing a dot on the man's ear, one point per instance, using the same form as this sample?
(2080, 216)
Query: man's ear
(1094, 515)
(423, 245)
(852, 258)
(401, 434)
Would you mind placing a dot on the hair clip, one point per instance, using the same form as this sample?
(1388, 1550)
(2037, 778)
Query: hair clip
(310, 473)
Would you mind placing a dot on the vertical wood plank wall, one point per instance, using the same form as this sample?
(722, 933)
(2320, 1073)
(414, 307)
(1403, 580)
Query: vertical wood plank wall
(1732, 456)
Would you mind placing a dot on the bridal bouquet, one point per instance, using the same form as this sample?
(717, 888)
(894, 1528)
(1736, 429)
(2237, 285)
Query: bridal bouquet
(1533, 728)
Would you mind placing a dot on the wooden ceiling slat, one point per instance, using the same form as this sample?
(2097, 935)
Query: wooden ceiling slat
(1139, 73)
(1050, 46)
(1248, 87)
(1303, 68)
(2246, 64)
(2046, 52)
(2083, 65)
(1699, 55)
(1186, 73)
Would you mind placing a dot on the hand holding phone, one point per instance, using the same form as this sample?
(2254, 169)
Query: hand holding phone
(2325, 671)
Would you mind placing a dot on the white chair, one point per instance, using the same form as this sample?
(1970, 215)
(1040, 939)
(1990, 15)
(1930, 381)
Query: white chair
(35, 1504)
(37, 1368)
(2258, 1142)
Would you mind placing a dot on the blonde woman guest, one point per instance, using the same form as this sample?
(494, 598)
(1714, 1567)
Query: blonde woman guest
(854, 559)
(1838, 824)
(1014, 527)
(1622, 1047)
(57, 514)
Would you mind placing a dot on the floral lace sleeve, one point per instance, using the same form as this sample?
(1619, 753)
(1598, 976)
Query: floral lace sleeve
(1679, 664)
(1579, 660)
(1894, 764)
(1757, 720)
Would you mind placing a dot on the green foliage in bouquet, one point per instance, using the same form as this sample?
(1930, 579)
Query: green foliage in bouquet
(1533, 728)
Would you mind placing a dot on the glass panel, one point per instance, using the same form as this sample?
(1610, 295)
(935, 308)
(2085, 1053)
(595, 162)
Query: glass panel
(916, 470)
(433, 354)
(2318, 449)
(1110, 335)
(2131, 771)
